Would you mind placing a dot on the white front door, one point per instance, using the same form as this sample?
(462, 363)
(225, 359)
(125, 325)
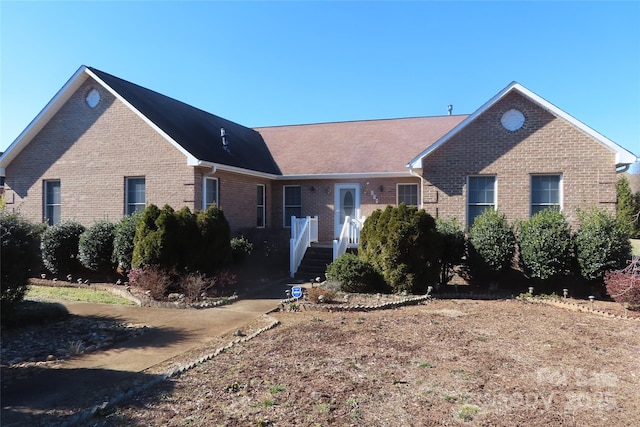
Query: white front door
(347, 203)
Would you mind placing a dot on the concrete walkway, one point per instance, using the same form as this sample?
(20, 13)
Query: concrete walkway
(95, 377)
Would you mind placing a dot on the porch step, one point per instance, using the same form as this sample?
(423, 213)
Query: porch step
(314, 264)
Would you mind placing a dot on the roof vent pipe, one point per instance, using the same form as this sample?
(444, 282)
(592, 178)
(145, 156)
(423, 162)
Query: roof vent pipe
(225, 143)
(450, 108)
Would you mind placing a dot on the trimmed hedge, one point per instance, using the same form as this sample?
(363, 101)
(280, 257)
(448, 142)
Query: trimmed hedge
(59, 247)
(355, 275)
(95, 248)
(545, 245)
(602, 244)
(124, 236)
(452, 247)
(20, 257)
(403, 244)
(490, 247)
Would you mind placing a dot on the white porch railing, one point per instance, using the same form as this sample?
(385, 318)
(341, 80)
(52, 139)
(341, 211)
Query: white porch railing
(349, 236)
(303, 232)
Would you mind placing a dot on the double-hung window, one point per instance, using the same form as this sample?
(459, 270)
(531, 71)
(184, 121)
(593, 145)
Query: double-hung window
(545, 192)
(52, 202)
(136, 198)
(481, 195)
(408, 194)
(292, 203)
(210, 192)
(261, 207)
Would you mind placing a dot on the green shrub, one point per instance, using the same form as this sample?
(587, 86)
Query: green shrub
(215, 252)
(241, 248)
(355, 275)
(491, 246)
(602, 244)
(627, 207)
(95, 248)
(403, 244)
(545, 245)
(452, 247)
(124, 235)
(20, 258)
(156, 237)
(59, 247)
(186, 241)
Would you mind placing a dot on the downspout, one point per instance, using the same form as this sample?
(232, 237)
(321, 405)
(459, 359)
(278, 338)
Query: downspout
(624, 168)
(412, 172)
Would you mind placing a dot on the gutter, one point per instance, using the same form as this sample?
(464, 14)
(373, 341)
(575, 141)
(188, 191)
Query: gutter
(413, 173)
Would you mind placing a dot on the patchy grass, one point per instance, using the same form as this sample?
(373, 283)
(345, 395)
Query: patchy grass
(537, 366)
(52, 293)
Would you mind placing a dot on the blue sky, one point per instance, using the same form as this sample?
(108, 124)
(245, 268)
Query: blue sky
(278, 63)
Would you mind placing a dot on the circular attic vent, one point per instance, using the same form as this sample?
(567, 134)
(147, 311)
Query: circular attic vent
(93, 98)
(512, 120)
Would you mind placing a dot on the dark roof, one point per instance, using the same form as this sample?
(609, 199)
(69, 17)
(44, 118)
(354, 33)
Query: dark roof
(197, 131)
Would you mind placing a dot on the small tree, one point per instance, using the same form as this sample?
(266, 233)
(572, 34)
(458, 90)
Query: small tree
(491, 246)
(95, 248)
(59, 247)
(20, 257)
(602, 244)
(545, 245)
(452, 247)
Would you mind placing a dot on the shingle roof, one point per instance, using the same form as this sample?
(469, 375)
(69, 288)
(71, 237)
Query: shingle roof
(197, 131)
(373, 146)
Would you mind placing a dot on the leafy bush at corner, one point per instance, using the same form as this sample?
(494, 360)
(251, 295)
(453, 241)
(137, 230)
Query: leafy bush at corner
(627, 207)
(545, 245)
(95, 248)
(403, 244)
(59, 247)
(19, 255)
(452, 247)
(124, 235)
(354, 274)
(602, 244)
(491, 246)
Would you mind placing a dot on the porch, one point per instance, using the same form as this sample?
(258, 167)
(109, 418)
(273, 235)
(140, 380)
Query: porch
(304, 245)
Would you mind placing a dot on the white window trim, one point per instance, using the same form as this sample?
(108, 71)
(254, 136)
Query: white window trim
(204, 191)
(126, 193)
(264, 205)
(284, 205)
(46, 199)
(560, 190)
(417, 192)
(495, 194)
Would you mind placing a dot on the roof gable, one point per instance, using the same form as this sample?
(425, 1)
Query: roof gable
(194, 132)
(623, 157)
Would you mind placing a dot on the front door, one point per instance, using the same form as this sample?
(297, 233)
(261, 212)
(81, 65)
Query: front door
(347, 203)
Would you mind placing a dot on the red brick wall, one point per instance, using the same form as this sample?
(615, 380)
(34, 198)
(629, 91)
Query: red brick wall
(545, 144)
(91, 151)
(321, 200)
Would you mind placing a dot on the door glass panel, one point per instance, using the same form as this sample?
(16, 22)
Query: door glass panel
(347, 199)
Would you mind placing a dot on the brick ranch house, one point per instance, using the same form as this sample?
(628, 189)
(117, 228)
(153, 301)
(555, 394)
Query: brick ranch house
(104, 147)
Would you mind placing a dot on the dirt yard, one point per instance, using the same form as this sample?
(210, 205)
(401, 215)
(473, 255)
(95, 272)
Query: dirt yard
(444, 362)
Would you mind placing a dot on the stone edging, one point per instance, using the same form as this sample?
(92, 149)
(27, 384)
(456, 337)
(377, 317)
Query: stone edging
(360, 307)
(98, 409)
(578, 307)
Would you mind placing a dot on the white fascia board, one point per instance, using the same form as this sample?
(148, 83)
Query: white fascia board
(36, 125)
(334, 176)
(191, 160)
(622, 156)
(218, 166)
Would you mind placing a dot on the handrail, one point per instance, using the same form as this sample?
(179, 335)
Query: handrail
(303, 232)
(349, 236)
